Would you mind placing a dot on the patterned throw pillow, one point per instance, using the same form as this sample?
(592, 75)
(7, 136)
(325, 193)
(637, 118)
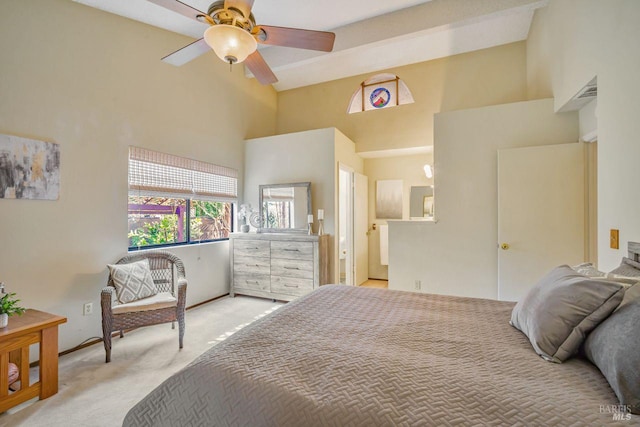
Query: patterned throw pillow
(589, 270)
(132, 281)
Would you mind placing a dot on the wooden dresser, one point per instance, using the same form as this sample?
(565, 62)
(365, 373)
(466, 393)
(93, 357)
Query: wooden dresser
(280, 266)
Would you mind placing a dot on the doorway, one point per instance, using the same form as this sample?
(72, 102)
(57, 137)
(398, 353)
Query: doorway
(345, 224)
(353, 217)
(541, 213)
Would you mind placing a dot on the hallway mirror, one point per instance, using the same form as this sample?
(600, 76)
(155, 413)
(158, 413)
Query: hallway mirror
(421, 202)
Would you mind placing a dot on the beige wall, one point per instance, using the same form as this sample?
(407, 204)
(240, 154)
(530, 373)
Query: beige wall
(486, 77)
(300, 157)
(410, 168)
(93, 83)
(457, 255)
(570, 42)
(345, 152)
(588, 116)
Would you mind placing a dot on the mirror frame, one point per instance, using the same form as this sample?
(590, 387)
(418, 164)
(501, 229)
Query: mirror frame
(284, 230)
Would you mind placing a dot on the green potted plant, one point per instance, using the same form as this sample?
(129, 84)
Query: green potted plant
(8, 307)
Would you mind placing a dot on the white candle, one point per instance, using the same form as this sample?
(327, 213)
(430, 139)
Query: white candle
(310, 219)
(320, 213)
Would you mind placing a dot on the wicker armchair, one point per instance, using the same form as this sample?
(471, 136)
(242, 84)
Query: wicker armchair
(168, 274)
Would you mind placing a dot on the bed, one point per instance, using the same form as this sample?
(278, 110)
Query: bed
(367, 357)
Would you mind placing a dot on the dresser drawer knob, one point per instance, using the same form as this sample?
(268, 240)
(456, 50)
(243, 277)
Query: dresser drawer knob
(252, 281)
(292, 250)
(290, 286)
(292, 268)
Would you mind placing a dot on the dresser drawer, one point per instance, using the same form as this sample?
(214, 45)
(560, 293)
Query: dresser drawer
(279, 265)
(292, 268)
(256, 282)
(292, 250)
(251, 265)
(291, 286)
(251, 248)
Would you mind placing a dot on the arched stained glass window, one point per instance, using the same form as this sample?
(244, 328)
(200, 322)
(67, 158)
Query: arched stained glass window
(380, 91)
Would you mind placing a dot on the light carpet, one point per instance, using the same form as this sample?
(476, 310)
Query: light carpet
(94, 393)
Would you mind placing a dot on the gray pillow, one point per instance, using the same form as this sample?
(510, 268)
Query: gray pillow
(132, 281)
(627, 267)
(562, 308)
(631, 294)
(614, 347)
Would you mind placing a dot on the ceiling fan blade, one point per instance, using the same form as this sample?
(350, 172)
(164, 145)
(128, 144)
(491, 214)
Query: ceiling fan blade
(243, 6)
(184, 9)
(257, 65)
(187, 53)
(294, 37)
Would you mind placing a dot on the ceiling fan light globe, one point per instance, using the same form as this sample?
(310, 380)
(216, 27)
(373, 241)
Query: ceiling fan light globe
(229, 41)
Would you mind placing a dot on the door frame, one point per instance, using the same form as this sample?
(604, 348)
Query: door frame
(360, 228)
(348, 225)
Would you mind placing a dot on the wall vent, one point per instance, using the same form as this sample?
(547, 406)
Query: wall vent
(587, 92)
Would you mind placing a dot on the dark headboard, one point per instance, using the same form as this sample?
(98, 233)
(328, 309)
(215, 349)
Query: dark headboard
(634, 251)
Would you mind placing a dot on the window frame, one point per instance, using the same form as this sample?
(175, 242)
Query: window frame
(187, 222)
(163, 175)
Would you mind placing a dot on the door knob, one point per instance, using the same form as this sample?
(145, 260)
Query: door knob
(504, 246)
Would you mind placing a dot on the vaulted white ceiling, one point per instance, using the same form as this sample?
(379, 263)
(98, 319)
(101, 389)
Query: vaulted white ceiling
(371, 35)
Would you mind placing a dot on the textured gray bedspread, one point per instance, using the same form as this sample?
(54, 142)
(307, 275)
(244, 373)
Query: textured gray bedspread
(368, 357)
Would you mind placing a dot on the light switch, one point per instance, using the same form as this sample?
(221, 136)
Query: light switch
(614, 239)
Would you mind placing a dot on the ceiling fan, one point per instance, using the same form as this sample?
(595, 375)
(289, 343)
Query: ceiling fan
(233, 35)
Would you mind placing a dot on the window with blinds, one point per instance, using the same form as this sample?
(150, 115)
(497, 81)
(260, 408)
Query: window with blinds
(174, 200)
(152, 171)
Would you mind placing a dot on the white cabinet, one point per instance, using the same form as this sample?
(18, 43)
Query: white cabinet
(280, 266)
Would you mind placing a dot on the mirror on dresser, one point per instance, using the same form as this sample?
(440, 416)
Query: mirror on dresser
(284, 207)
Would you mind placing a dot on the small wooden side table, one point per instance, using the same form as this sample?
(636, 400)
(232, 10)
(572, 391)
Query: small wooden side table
(32, 327)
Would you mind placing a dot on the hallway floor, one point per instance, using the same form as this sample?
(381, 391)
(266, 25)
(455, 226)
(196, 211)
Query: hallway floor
(374, 283)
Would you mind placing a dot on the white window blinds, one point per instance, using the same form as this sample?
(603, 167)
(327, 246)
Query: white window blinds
(154, 172)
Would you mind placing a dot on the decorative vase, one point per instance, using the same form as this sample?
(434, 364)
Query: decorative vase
(4, 320)
(244, 228)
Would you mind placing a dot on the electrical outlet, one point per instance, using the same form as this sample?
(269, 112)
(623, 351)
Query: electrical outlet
(418, 285)
(87, 309)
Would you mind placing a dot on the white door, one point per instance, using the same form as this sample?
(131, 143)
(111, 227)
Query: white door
(541, 214)
(361, 225)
